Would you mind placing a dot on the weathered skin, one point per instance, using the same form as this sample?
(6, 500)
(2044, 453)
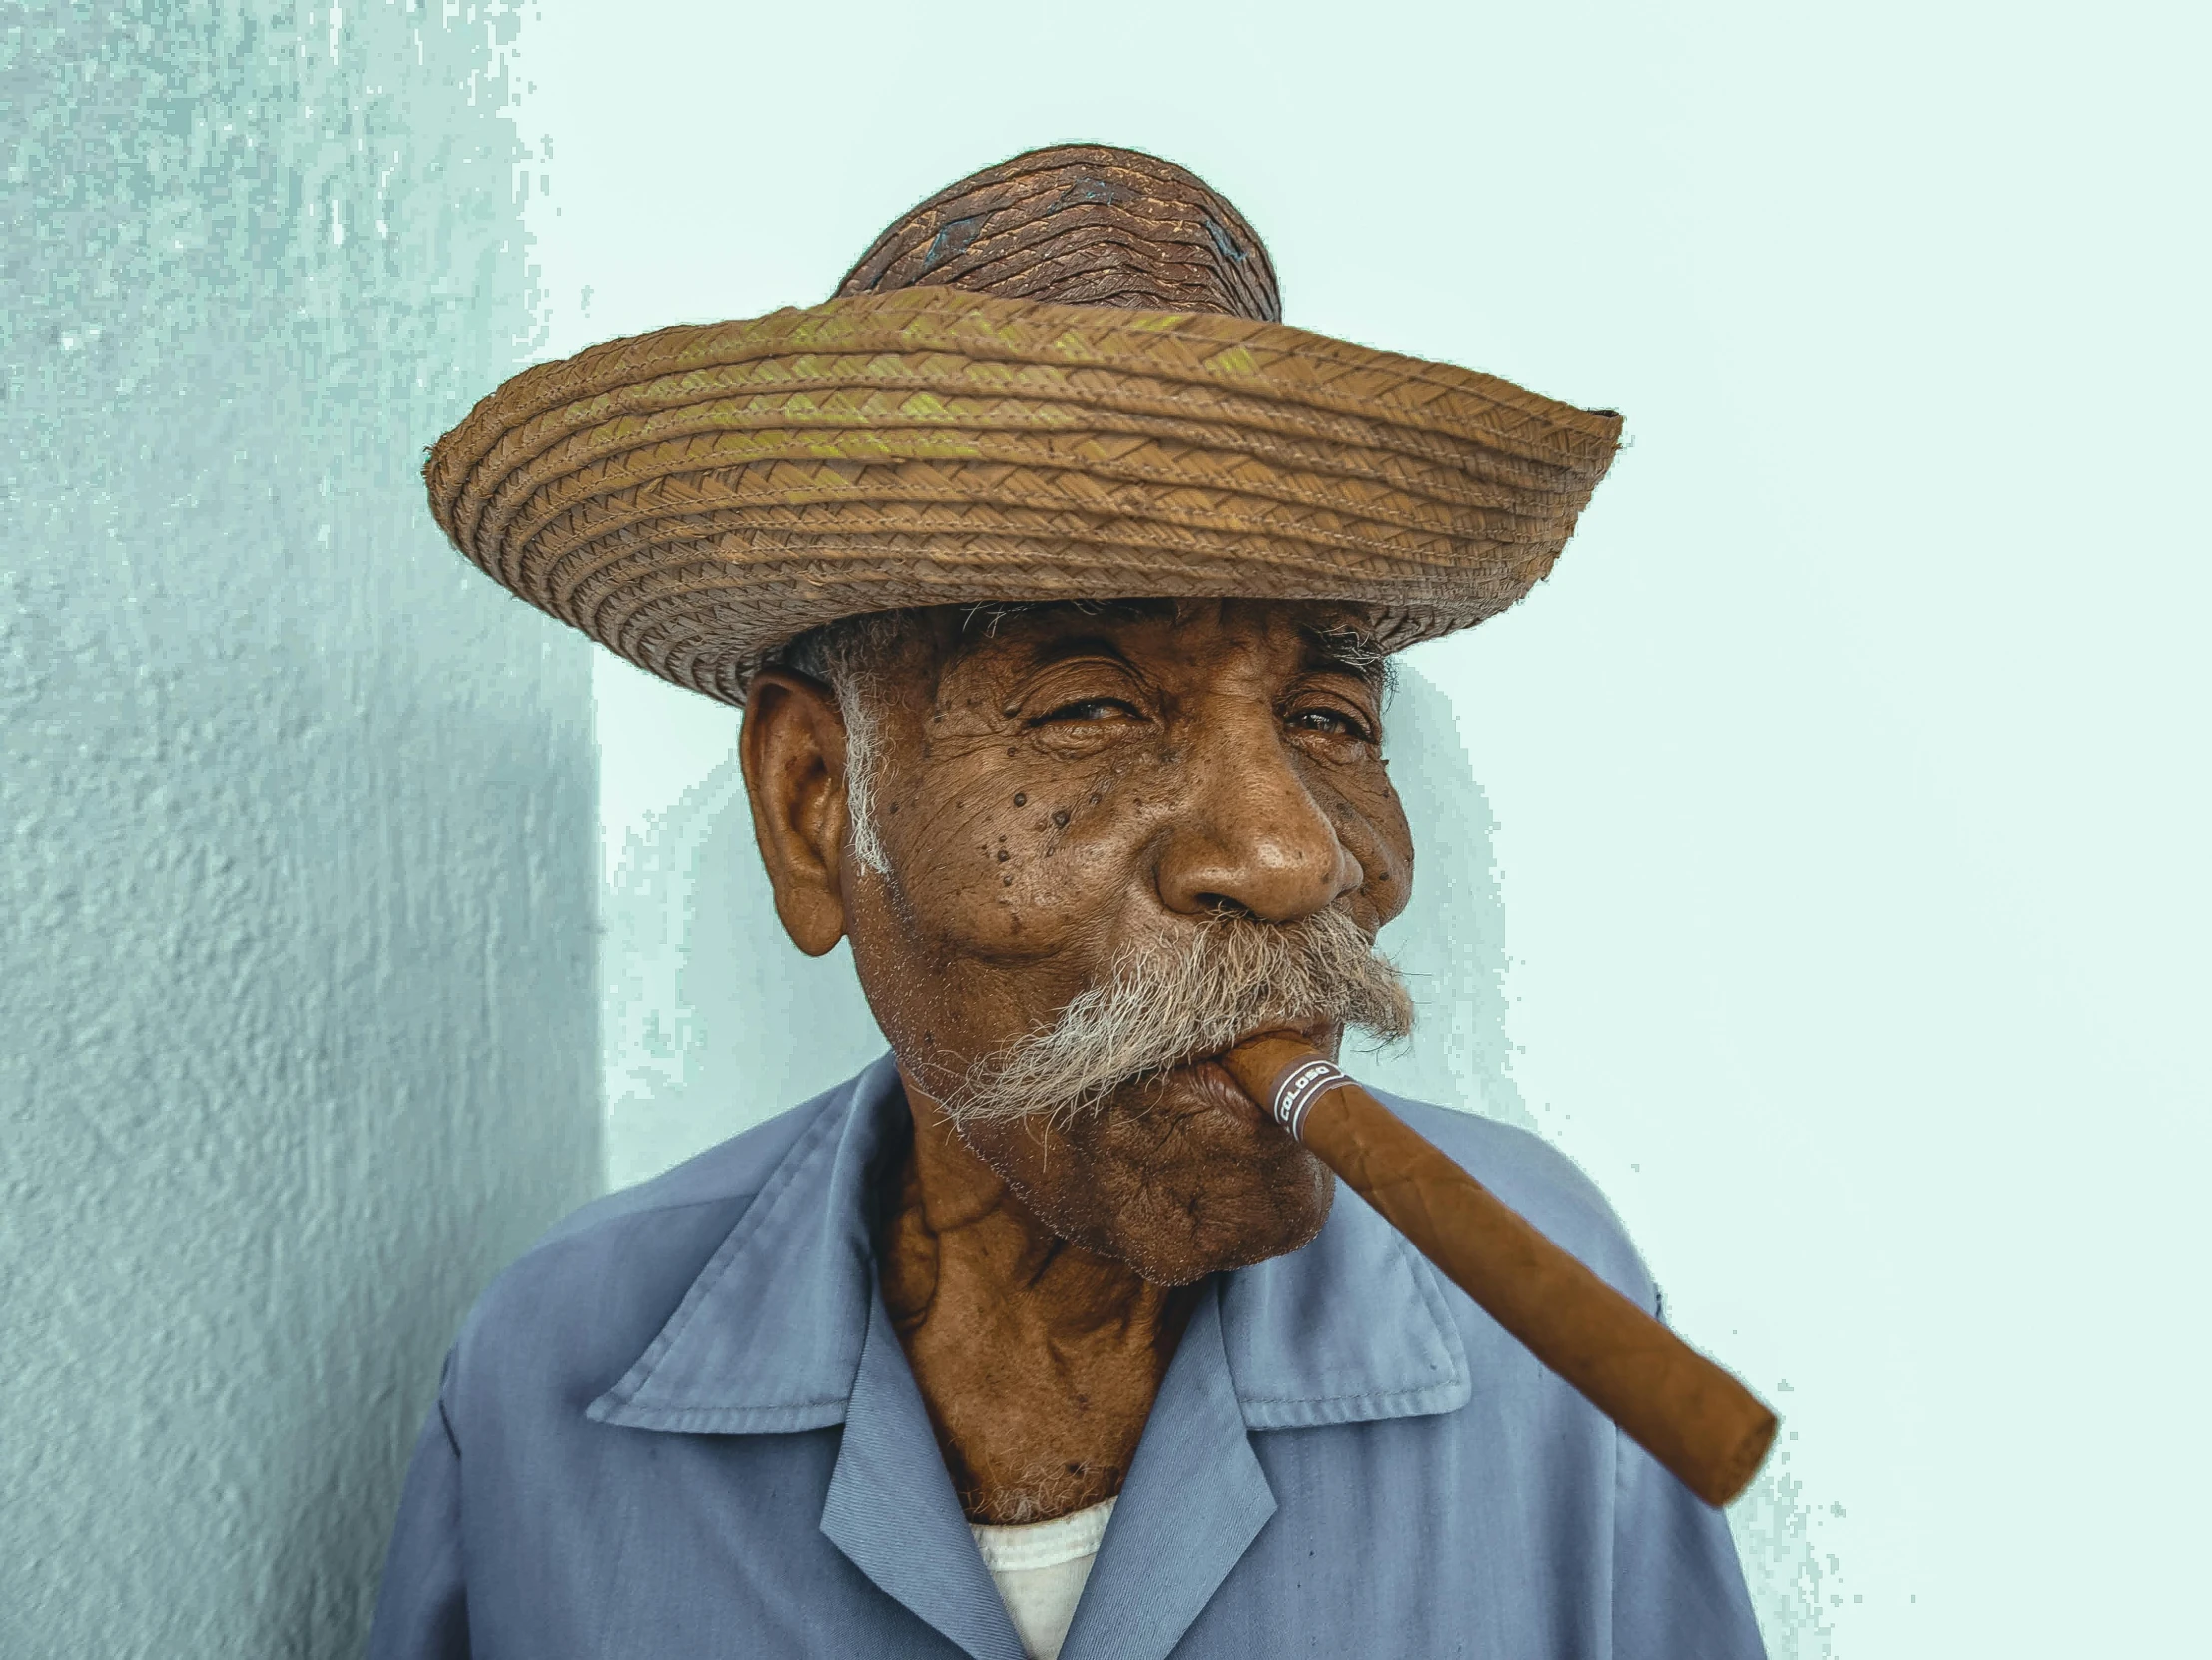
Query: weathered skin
(1050, 792)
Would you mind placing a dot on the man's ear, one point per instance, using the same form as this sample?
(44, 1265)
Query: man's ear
(793, 752)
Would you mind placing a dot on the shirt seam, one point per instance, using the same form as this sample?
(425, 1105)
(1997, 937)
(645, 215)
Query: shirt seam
(1330, 1400)
(735, 1411)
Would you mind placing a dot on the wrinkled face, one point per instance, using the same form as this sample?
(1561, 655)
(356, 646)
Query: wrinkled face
(1060, 791)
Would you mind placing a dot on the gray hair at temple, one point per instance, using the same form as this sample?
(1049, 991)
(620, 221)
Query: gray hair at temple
(848, 657)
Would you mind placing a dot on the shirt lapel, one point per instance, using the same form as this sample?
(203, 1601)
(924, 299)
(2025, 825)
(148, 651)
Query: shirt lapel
(768, 1338)
(892, 1509)
(783, 1330)
(1191, 1504)
(1350, 1330)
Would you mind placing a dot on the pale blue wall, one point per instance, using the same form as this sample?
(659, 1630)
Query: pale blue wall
(297, 1038)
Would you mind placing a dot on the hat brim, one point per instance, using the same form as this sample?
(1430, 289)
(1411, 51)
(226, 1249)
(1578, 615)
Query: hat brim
(696, 497)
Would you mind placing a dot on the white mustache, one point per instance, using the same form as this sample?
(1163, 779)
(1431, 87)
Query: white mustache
(1181, 998)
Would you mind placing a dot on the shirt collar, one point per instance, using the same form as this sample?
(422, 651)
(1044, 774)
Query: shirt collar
(768, 1338)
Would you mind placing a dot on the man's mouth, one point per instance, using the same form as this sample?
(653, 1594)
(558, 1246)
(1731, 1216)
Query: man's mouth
(1321, 1033)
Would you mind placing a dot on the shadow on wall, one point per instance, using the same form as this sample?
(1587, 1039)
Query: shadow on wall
(301, 813)
(713, 1020)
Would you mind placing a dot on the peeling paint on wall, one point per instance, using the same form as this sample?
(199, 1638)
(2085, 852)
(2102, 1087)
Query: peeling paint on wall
(1791, 1579)
(1450, 942)
(298, 811)
(713, 1019)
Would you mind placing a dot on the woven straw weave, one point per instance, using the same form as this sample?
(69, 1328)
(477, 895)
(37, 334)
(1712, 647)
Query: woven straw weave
(696, 497)
(1080, 225)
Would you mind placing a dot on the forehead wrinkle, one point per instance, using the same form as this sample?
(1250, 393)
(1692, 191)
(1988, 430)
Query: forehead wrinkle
(1043, 633)
(1066, 646)
(985, 621)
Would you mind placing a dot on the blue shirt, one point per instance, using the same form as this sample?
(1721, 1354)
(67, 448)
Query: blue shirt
(682, 1427)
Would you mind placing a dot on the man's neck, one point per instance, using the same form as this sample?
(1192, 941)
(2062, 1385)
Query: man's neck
(1037, 1359)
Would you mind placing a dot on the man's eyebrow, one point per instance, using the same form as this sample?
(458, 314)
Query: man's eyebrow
(1349, 649)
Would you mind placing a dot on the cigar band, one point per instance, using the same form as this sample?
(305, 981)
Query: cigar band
(1301, 1084)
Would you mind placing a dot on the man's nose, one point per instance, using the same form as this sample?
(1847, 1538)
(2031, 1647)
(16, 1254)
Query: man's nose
(1250, 835)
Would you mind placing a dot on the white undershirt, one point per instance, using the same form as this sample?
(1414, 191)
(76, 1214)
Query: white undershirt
(1039, 1569)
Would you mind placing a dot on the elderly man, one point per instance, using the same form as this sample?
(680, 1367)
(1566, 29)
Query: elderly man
(1057, 579)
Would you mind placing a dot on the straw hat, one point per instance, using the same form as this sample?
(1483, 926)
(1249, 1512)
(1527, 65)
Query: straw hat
(1064, 378)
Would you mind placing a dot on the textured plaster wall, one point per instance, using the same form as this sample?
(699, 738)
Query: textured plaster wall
(298, 1035)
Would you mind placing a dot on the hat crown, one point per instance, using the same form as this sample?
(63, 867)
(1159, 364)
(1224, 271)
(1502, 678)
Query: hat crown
(1081, 225)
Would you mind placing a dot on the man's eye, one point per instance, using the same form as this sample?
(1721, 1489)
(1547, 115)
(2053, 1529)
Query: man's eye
(1332, 721)
(1090, 709)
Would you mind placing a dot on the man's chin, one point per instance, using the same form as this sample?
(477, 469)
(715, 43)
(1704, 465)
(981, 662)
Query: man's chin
(1176, 1174)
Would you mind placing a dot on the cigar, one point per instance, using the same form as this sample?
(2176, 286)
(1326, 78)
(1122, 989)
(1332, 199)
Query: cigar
(1693, 1417)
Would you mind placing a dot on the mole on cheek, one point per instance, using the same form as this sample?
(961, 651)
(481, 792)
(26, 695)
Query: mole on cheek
(1021, 800)
(1059, 818)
